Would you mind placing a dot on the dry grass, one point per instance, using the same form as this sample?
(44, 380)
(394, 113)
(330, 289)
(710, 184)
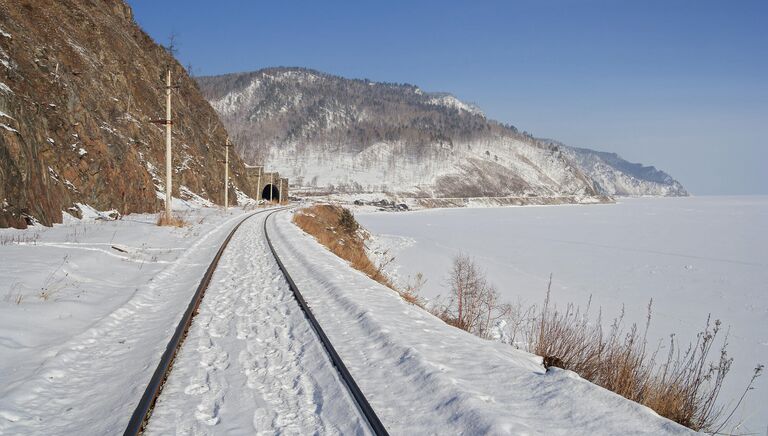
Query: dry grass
(14, 296)
(412, 290)
(170, 221)
(336, 228)
(20, 238)
(683, 386)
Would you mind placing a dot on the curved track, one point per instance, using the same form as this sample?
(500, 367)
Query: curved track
(141, 415)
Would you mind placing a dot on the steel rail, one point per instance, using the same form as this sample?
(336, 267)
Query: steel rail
(357, 395)
(143, 410)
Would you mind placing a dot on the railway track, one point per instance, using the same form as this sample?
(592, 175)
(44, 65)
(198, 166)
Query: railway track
(143, 411)
(357, 395)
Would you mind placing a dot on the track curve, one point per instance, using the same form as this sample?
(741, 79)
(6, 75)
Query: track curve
(144, 409)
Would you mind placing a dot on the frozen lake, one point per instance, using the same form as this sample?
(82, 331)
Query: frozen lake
(693, 256)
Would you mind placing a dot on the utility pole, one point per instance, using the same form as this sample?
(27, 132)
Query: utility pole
(271, 186)
(226, 174)
(168, 155)
(280, 192)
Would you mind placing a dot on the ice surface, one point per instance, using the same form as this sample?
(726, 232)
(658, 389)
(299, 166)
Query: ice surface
(693, 256)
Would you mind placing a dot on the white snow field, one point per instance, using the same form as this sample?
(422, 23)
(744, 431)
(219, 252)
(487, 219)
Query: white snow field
(693, 256)
(82, 325)
(78, 362)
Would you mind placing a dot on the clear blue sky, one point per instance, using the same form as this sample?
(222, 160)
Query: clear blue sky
(682, 85)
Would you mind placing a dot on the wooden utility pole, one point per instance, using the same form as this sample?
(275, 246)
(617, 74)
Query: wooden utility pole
(280, 192)
(168, 155)
(226, 174)
(271, 185)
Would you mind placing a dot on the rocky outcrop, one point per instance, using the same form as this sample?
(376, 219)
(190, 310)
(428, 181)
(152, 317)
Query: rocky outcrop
(613, 175)
(79, 83)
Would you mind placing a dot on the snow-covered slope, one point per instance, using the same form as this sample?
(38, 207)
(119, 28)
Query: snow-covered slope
(334, 134)
(448, 100)
(613, 175)
(345, 135)
(86, 310)
(423, 376)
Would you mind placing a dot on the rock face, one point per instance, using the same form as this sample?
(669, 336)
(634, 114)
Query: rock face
(613, 175)
(339, 135)
(79, 82)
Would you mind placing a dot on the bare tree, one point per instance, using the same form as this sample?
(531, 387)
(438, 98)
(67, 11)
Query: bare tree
(473, 304)
(172, 47)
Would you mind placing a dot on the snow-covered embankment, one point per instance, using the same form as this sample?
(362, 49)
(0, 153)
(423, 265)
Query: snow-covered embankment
(425, 377)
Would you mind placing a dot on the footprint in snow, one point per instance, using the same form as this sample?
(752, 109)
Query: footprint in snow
(208, 411)
(199, 384)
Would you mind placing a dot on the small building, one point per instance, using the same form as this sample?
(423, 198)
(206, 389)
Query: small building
(269, 186)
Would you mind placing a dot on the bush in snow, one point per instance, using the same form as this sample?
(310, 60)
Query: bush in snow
(473, 304)
(172, 220)
(683, 386)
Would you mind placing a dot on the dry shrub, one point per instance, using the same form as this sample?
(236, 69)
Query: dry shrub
(473, 304)
(412, 290)
(683, 387)
(14, 296)
(170, 220)
(21, 238)
(336, 228)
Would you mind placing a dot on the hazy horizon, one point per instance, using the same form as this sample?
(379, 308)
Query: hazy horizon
(681, 86)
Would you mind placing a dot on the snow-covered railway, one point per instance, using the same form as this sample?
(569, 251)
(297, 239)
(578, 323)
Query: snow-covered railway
(252, 363)
(254, 357)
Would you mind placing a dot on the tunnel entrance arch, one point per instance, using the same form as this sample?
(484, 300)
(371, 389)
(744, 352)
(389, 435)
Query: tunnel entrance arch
(275, 193)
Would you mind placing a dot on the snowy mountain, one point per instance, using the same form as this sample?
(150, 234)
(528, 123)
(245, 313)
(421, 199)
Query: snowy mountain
(613, 175)
(447, 100)
(343, 135)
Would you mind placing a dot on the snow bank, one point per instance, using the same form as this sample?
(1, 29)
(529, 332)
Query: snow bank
(86, 310)
(425, 377)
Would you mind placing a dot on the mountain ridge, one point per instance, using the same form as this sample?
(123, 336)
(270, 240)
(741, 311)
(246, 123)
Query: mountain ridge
(330, 130)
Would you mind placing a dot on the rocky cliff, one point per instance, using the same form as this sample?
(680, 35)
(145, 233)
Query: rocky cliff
(613, 175)
(79, 83)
